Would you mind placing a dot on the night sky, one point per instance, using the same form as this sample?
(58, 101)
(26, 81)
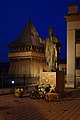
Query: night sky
(14, 15)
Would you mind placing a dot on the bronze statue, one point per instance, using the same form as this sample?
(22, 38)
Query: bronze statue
(52, 51)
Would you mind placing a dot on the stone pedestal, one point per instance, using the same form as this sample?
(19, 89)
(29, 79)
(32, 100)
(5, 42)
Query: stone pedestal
(54, 79)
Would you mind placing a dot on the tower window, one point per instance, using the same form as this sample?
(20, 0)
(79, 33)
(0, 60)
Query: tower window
(78, 63)
(78, 36)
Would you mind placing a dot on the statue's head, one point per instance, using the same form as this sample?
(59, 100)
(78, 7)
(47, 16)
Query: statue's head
(51, 31)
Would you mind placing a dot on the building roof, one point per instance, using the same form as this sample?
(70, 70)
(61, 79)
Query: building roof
(29, 36)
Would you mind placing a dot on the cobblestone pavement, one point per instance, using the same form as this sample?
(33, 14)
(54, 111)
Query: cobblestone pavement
(12, 108)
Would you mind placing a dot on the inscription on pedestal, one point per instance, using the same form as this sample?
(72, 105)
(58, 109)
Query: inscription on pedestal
(48, 78)
(55, 79)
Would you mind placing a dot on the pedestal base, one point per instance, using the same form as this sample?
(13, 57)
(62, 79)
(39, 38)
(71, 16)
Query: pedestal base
(55, 79)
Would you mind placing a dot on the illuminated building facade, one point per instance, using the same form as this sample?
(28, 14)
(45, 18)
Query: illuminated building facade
(26, 54)
(73, 44)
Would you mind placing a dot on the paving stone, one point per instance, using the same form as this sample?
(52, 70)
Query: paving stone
(12, 108)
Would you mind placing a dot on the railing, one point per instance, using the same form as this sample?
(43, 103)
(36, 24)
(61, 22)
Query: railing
(9, 80)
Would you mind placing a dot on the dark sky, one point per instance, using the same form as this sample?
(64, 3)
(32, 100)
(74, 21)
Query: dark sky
(14, 15)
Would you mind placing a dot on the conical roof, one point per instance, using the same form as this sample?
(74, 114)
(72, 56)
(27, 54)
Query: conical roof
(29, 36)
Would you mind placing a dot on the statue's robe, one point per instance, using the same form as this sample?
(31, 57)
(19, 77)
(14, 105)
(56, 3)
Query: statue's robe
(51, 52)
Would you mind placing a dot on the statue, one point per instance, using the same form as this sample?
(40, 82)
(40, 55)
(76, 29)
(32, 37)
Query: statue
(52, 51)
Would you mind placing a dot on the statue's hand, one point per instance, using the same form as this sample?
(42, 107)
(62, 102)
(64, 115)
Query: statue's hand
(42, 41)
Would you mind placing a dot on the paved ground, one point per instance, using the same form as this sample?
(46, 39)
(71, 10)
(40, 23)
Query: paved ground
(12, 108)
